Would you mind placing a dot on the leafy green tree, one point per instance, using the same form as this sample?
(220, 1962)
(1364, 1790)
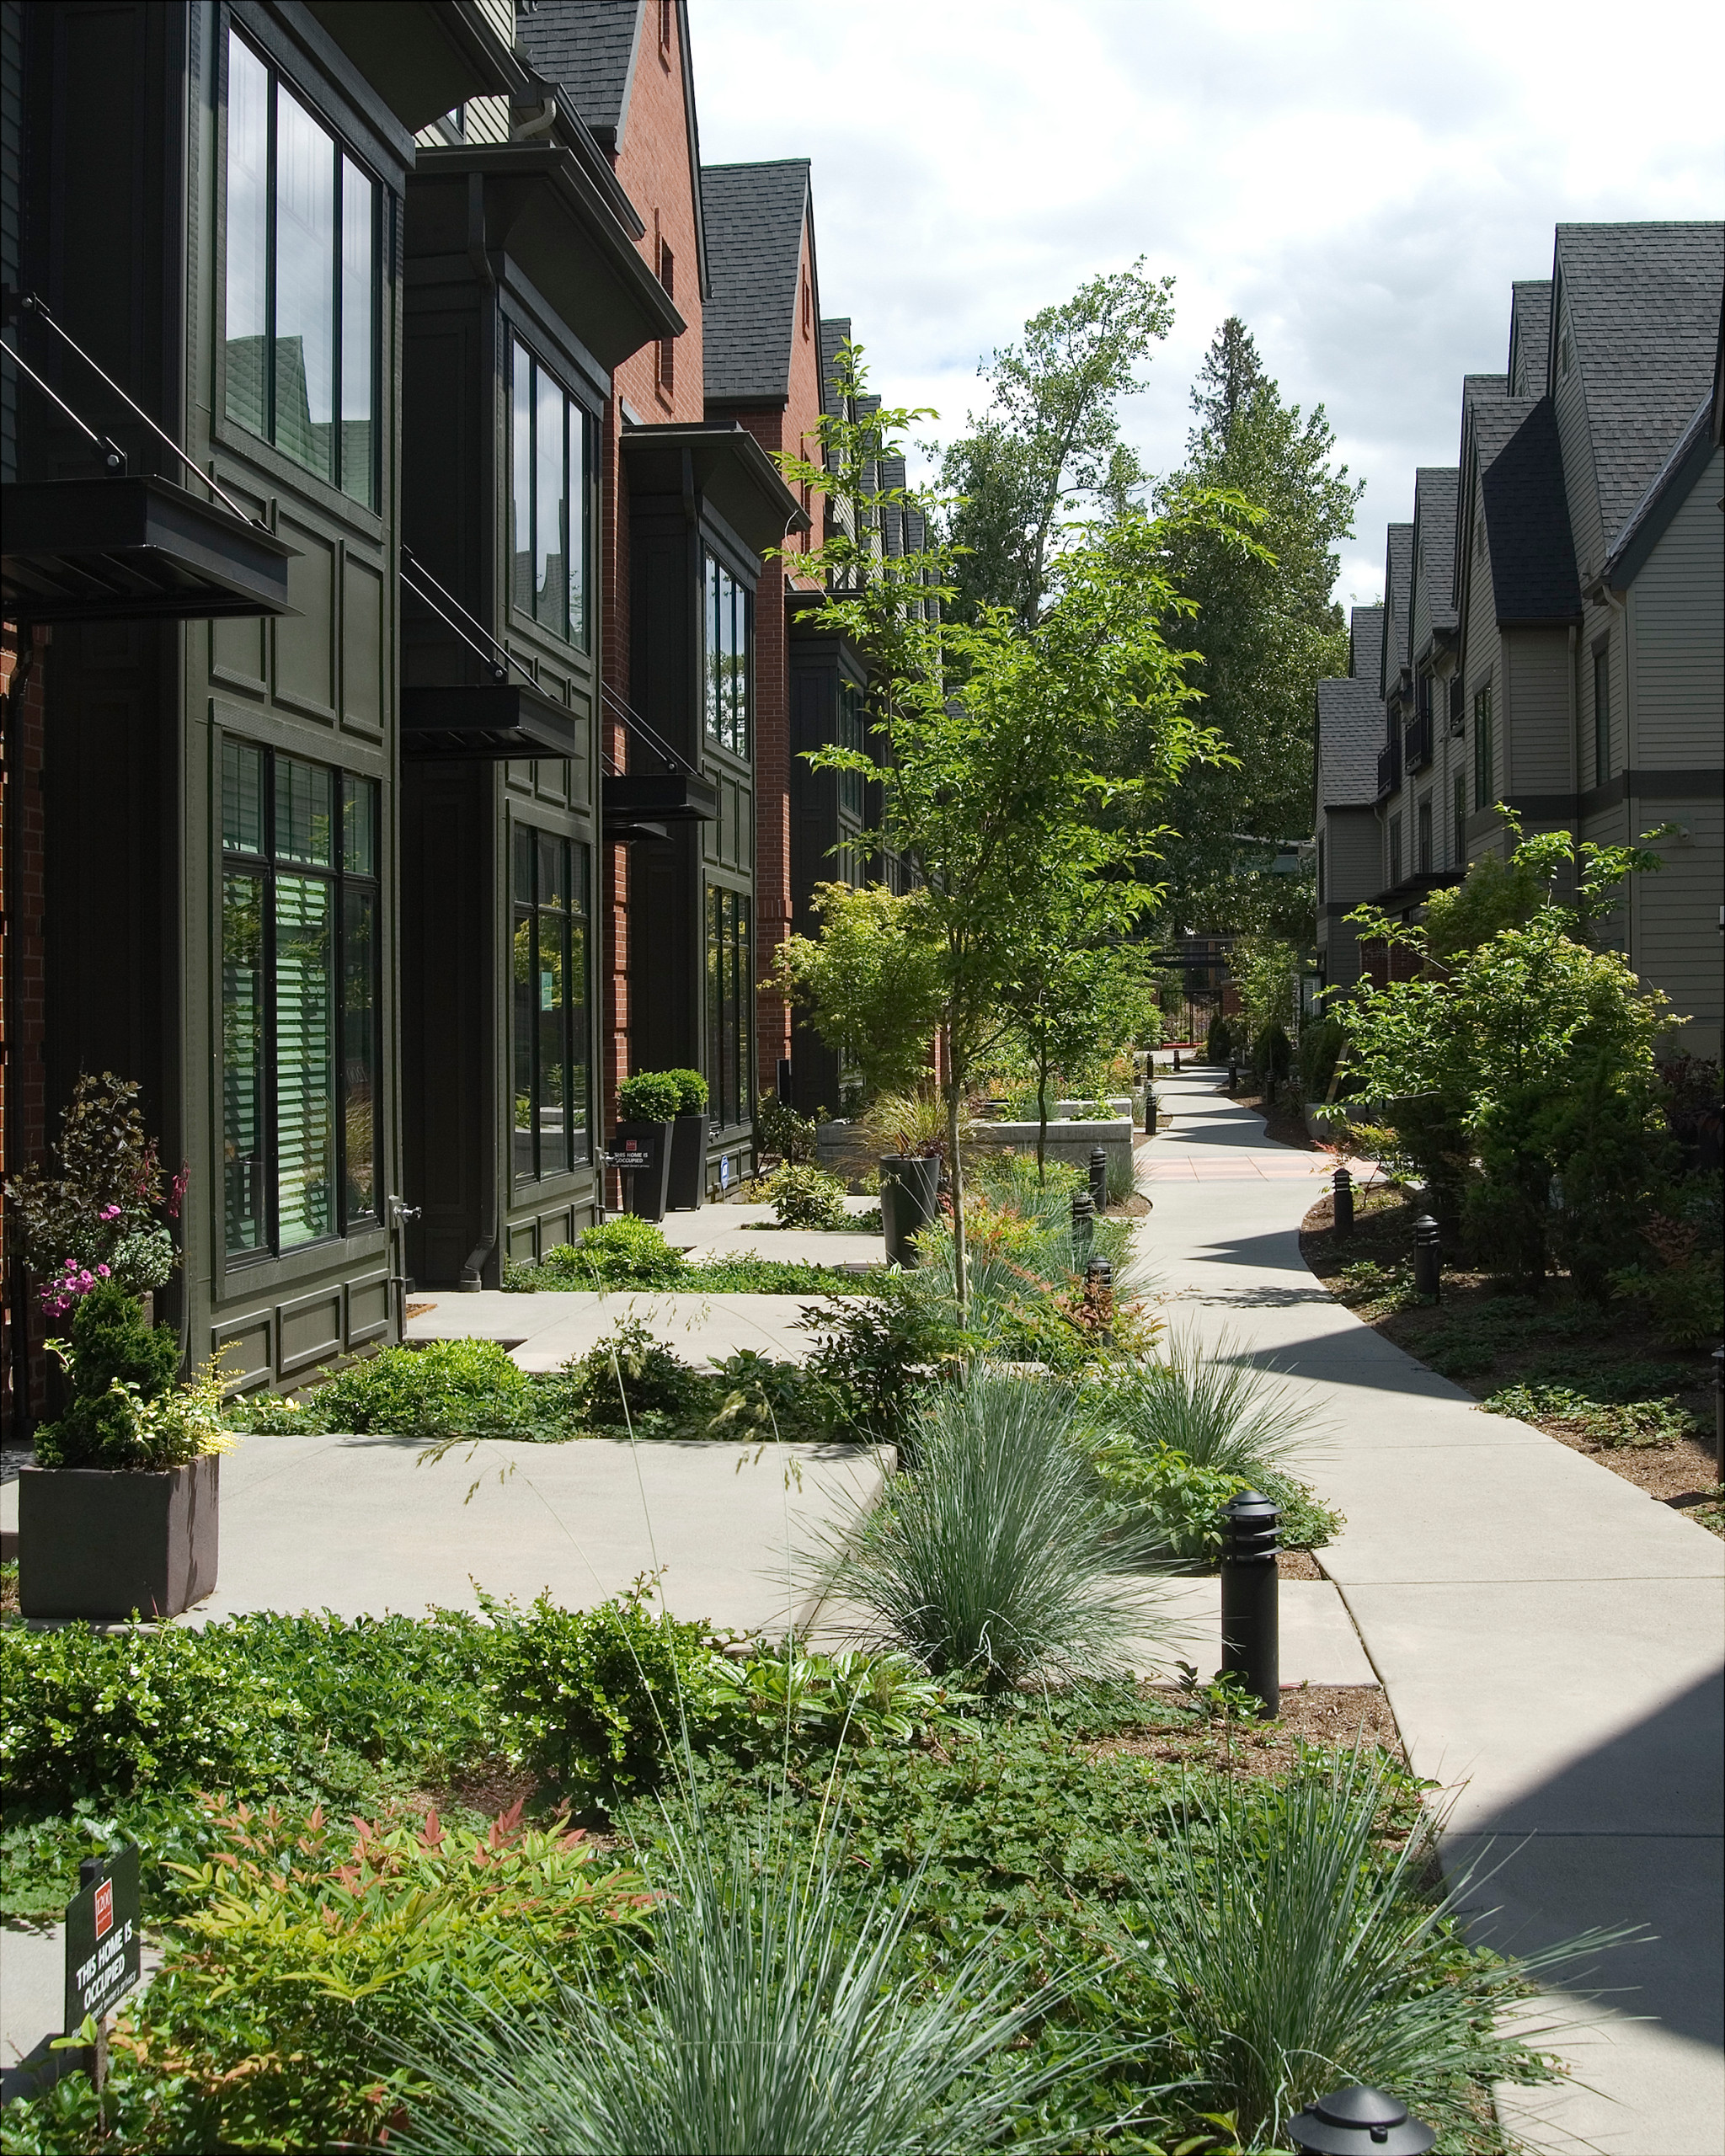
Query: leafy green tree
(873, 980)
(989, 734)
(1267, 632)
(1047, 447)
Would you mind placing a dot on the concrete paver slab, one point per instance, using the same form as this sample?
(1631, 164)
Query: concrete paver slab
(544, 1331)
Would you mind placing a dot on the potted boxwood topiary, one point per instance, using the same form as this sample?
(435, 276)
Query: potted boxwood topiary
(688, 1145)
(647, 1107)
(119, 1512)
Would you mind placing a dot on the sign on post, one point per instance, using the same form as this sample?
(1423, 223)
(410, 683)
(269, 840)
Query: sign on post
(104, 1941)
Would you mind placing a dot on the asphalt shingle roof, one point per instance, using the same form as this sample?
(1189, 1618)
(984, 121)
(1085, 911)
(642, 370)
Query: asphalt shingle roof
(1643, 303)
(1434, 489)
(755, 219)
(1527, 512)
(1350, 732)
(1365, 644)
(835, 330)
(1398, 571)
(1529, 335)
(587, 48)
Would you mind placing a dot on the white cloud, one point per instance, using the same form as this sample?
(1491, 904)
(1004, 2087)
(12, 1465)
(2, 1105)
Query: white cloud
(1360, 182)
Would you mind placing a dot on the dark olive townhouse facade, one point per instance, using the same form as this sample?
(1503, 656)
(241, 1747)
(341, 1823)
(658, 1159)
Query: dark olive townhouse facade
(209, 200)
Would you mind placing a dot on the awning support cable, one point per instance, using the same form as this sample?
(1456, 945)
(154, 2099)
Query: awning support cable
(31, 303)
(636, 724)
(110, 453)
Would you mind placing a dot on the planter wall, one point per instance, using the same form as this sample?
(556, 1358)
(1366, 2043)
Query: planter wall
(95, 1542)
(1067, 1141)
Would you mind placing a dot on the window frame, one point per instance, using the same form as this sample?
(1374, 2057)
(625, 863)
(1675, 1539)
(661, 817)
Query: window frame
(227, 424)
(577, 1041)
(727, 954)
(521, 346)
(267, 864)
(735, 735)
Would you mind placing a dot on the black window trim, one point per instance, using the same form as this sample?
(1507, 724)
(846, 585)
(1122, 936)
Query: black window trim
(582, 879)
(520, 330)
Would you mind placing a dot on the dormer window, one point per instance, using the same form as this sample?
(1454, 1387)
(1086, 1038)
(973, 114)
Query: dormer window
(666, 26)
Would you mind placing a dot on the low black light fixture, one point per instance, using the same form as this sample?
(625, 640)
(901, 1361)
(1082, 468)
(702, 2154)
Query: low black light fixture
(1083, 1227)
(1177, 1063)
(1719, 1413)
(1428, 1257)
(1099, 1292)
(1233, 1075)
(1251, 1632)
(1366, 2120)
(1099, 1178)
(1149, 1110)
(1344, 1185)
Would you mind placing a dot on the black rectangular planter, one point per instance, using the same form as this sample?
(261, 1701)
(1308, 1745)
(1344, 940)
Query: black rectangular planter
(688, 1164)
(647, 1187)
(97, 1542)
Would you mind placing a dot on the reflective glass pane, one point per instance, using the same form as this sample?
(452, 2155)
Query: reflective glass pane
(578, 507)
(359, 826)
(305, 1060)
(247, 234)
(742, 1039)
(242, 797)
(715, 656)
(521, 490)
(715, 1002)
(359, 1052)
(551, 1009)
(550, 568)
(359, 318)
(524, 1027)
(575, 995)
(243, 1062)
(305, 828)
(305, 286)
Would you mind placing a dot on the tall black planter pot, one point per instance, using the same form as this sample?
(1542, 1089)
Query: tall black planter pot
(910, 1191)
(98, 1542)
(688, 1164)
(646, 1188)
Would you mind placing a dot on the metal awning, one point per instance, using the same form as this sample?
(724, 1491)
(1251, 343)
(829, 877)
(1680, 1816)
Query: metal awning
(120, 549)
(491, 725)
(659, 798)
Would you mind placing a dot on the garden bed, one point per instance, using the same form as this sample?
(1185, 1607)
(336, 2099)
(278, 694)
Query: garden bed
(1282, 1125)
(1596, 1377)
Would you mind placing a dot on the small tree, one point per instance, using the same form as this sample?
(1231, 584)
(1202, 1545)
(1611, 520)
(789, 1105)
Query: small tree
(872, 979)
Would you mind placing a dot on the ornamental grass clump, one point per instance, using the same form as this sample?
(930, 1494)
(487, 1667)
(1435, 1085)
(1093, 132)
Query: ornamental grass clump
(1222, 1415)
(777, 2009)
(1295, 1946)
(996, 1556)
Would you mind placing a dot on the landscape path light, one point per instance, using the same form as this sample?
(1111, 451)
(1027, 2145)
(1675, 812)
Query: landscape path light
(1233, 1074)
(1365, 2120)
(1083, 1227)
(1099, 1291)
(1428, 1257)
(1099, 1178)
(1251, 1647)
(1344, 1202)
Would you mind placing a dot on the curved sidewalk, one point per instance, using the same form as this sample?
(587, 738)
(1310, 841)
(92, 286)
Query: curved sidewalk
(1550, 1637)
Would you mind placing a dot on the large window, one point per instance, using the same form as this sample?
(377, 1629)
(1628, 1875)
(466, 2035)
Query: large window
(548, 882)
(1484, 753)
(730, 1004)
(548, 490)
(300, 969)
(853, 734)
(302, 303)
(726, 636)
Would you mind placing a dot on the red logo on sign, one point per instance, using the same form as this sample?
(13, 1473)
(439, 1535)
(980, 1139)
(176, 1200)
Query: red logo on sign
(105, 1906)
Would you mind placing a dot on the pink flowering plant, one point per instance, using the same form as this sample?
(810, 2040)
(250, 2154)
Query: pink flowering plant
(103, 1216)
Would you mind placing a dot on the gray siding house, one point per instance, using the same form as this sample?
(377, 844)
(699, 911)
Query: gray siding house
(1557, 642)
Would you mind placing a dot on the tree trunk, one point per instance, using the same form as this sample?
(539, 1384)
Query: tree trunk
(960, 1269)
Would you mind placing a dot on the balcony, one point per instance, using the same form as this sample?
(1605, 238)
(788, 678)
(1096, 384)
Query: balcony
(1390, 766)
(1417, 741)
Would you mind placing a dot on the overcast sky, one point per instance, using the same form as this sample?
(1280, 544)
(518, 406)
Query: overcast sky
(1360, 182)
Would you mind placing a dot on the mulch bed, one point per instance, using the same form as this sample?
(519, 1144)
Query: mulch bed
(1283, 1125)
(1338, 1716)
(1682, 1473)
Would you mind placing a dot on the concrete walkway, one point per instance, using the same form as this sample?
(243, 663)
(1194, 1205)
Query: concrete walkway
(1549, 1636)
(543, 1331)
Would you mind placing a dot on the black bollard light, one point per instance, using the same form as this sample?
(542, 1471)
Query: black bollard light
(1250, 1529)
(1083, 1228)
(1099, 1178)
(1149, 1113)
(1099, 1288)
(1428, 1257)
(1233, 1075)
(1719, 1414)
(1368, 2120)
(1177, 1063)
(1344, 1202)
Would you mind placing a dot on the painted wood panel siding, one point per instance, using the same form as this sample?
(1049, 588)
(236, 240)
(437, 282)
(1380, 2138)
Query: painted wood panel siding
(1353, 856)
(1535, 723)
(1675, 917)
(1676, 617)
